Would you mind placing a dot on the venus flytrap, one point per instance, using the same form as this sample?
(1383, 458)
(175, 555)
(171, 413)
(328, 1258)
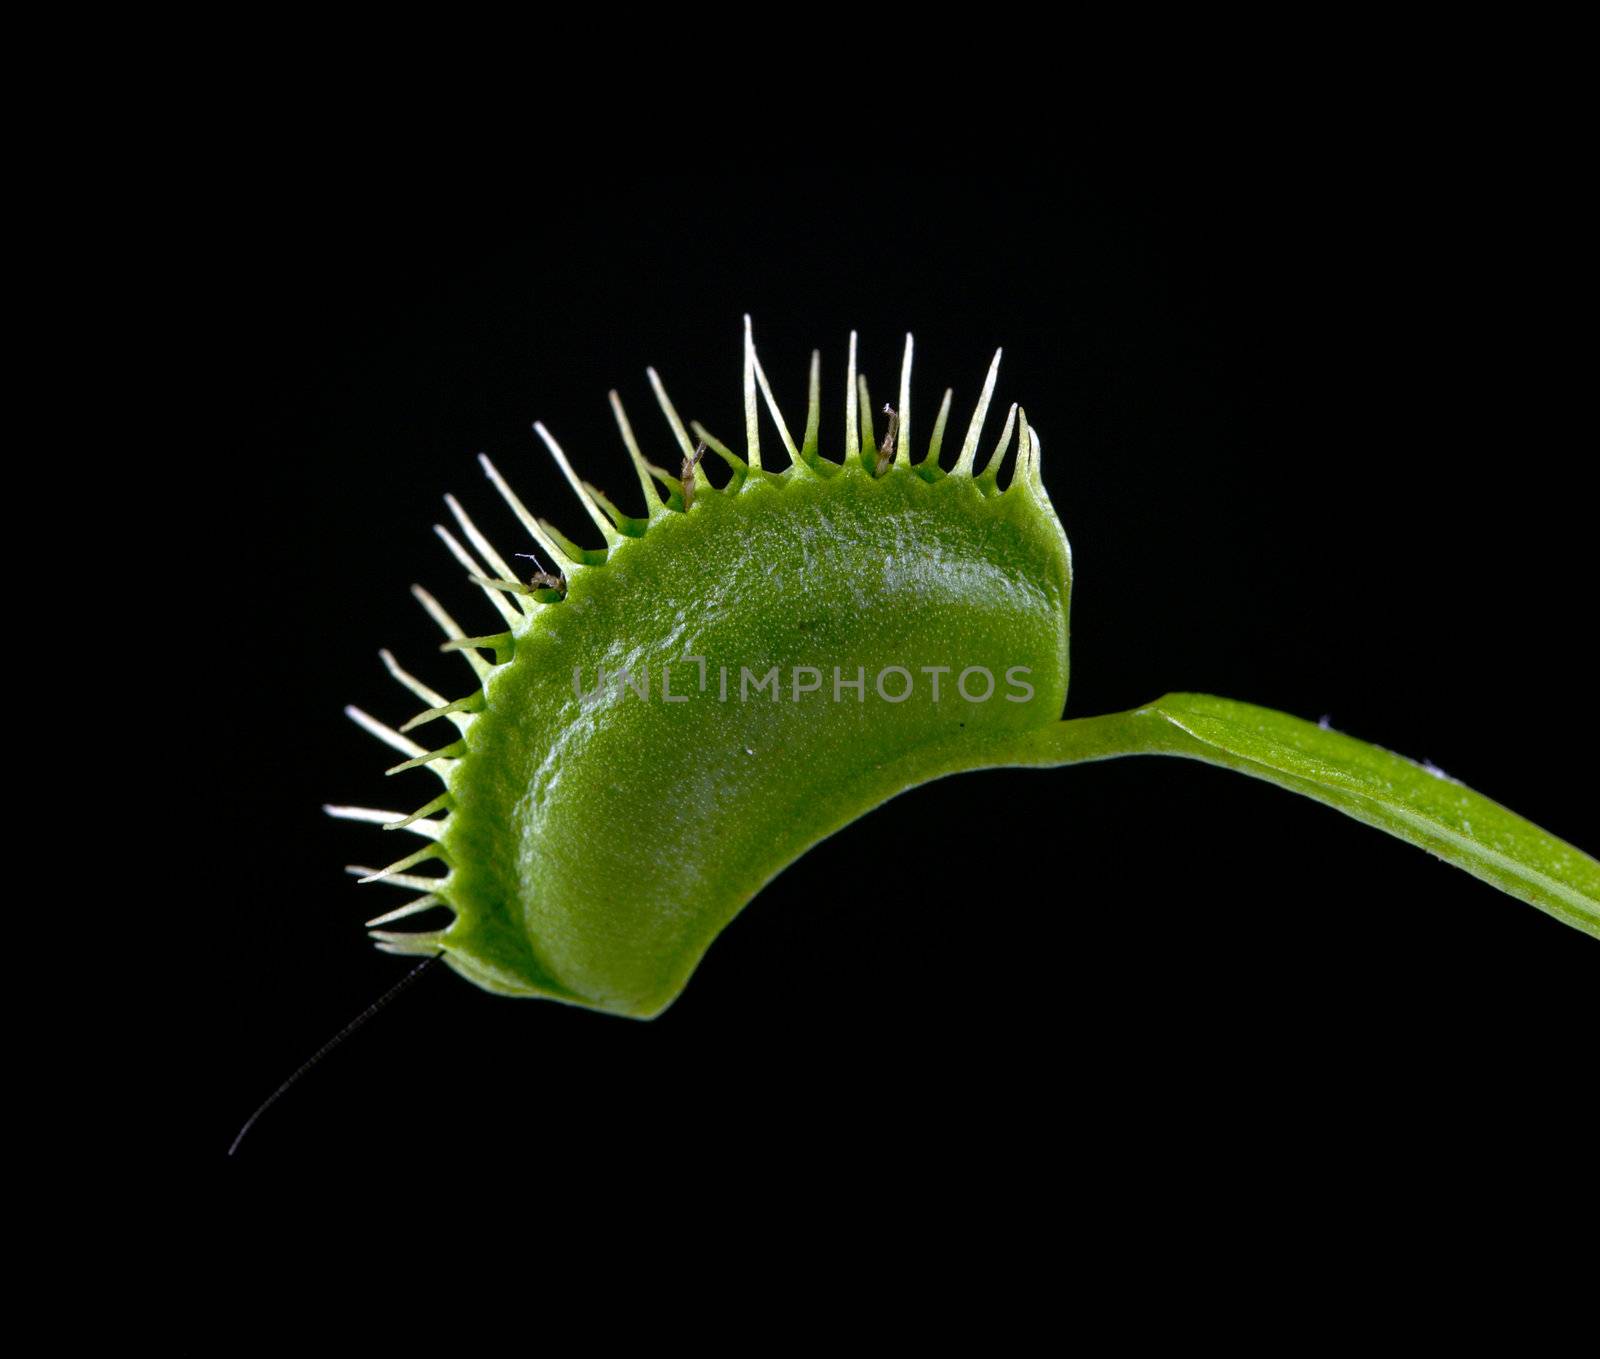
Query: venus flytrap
(565, 756)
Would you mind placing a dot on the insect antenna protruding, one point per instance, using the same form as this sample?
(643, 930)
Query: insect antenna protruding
(545, 580)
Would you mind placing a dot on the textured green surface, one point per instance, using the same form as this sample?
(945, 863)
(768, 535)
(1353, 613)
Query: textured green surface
(598, 848)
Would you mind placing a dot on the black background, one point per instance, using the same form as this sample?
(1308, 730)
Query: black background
(1307, 409)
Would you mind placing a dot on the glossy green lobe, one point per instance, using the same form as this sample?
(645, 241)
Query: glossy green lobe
(600, 843)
